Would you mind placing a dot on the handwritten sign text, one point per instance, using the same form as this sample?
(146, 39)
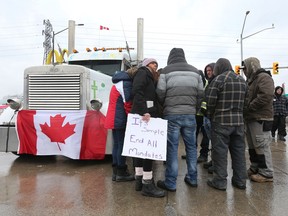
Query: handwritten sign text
(145, 139)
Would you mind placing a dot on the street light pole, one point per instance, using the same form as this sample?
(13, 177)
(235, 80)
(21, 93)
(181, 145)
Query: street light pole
(241, 35)
(71, 37)
(272, 27)
(53, 41)
(242, 38)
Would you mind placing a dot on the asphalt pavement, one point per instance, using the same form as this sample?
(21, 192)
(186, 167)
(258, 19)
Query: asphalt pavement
(57, 185)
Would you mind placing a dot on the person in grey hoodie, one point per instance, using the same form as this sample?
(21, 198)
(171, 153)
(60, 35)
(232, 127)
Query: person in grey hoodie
(180, 92)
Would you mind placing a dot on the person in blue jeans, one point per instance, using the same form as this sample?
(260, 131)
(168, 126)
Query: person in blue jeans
(204, 143)
(180, 92)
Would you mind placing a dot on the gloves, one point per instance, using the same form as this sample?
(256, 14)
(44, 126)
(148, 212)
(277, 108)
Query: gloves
(204, 108)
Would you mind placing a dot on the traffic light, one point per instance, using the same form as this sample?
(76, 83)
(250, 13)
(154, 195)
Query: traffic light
(237, 69)
(275, 68)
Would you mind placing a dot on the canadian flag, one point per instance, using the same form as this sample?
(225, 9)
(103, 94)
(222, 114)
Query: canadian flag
(103, 28)
(74, 134)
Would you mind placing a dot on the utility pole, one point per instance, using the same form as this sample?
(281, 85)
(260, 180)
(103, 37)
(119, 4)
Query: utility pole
(140, 27)
(71, 36)
(47, 41)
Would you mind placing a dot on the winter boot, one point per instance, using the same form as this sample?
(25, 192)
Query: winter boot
(211, 169)
(261, 179)
(149, 189)
(114, 172)
(251, 172)
(123, 174)
(201, 159)
(183, 157)
(280, 137)
(138, 183)
(206, 165)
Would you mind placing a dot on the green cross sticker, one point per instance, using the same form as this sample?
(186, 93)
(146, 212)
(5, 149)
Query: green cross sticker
(94, 88)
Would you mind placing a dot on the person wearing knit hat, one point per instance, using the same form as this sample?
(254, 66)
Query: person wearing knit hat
(145, 104)
(148, 61)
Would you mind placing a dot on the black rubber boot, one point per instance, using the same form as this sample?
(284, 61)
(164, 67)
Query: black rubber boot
(138, 183)
(149, 189)
(114, 172)
(123, 174)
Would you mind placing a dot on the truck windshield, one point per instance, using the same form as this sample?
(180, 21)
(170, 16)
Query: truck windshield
(107, 67)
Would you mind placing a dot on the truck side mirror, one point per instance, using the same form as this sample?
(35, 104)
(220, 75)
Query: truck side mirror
(14, 104)
(96, 104)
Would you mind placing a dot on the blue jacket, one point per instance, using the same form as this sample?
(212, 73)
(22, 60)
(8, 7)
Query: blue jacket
(120, 101)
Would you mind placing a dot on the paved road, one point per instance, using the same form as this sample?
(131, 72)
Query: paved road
(61, 186)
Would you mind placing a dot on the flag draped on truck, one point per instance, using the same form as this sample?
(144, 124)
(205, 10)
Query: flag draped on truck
(74, 134)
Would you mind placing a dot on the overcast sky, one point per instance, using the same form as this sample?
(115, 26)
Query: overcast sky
(206, 30)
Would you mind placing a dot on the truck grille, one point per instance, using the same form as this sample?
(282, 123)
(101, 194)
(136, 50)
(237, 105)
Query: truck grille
(54, 92)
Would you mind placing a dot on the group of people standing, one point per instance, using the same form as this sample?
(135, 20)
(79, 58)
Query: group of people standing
(227, 109)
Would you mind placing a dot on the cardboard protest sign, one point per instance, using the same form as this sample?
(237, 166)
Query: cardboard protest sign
(146, 140)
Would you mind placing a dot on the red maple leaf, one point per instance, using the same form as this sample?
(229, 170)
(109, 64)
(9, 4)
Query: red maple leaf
(56, 132)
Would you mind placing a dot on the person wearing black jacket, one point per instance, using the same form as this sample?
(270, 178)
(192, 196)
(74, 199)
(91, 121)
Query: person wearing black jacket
(145, 104)
(208, 71)
(280, 104)
(225, 103)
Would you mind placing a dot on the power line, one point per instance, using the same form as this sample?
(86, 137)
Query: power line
(154, 41)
